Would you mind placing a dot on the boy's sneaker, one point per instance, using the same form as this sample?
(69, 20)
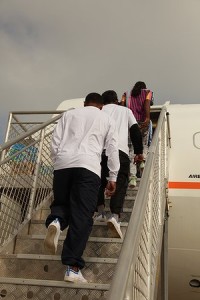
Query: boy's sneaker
(52, 236)
(100, 217)
(114, 226)
(74, 276)
(142, 165)
(132, 182)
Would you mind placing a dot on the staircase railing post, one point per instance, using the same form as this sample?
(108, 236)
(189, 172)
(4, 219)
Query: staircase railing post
(36, 172)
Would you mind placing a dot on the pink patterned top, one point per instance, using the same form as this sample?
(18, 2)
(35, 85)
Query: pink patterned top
(136, 104)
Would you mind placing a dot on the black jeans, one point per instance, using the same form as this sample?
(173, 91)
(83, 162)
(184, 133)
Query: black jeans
(117, 200)
(75, 199)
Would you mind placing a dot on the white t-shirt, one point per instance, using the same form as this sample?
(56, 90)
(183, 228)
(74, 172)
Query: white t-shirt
(124, 119)
(80, 137)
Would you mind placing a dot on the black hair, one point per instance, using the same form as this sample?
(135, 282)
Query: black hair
(140, 85)
(109, 96)
(93, 98)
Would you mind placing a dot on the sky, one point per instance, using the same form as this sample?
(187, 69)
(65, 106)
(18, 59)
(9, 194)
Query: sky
(53, 50)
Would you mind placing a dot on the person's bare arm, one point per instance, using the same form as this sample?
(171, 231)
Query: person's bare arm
(147, 113)
(110, 188)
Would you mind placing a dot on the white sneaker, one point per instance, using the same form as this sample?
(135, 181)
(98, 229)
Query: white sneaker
(74, 276)
(114, 226)
(51, 239)
(100, 217)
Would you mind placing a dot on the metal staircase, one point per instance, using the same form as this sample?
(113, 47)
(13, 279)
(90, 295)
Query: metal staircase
(116, 269)
(34, 273)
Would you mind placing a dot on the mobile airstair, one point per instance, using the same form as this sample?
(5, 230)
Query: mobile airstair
(134, 267)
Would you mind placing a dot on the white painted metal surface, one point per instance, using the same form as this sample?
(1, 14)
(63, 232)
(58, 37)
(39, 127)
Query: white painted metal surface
(71, 103)
(184, 195)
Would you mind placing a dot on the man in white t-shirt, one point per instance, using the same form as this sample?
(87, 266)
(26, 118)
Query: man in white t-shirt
(77, 144)
(126, 123)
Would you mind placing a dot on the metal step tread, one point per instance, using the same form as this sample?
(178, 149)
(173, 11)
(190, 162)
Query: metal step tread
(61, 238)
(56, 258)
(136, 187)
(122, 224)
(127, 197)
(53, 283)
(107, 209)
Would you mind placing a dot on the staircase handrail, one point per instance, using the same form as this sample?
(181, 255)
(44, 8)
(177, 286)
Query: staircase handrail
(28, 133)
(121, 284)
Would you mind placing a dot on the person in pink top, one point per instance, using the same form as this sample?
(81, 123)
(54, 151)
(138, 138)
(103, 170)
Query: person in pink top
(139, 100)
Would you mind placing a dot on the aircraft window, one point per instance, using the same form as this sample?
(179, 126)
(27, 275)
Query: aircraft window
(194, 283)
(196, 140)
